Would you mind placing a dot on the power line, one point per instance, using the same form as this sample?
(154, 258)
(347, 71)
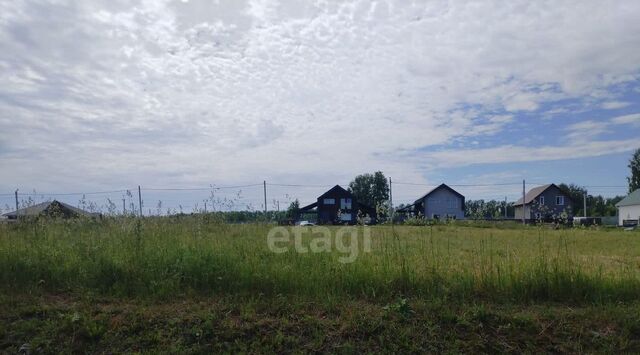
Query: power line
(201, 188)
(459, 185)
(298, 185)
(480, 185)
(505, 184)
(68, 193)
(213, 187)
(607, 186)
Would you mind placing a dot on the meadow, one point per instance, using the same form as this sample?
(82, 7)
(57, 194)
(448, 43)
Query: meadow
(460, 269)
(167, 257)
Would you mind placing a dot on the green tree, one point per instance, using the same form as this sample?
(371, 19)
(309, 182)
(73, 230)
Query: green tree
(634, 165)
(576, 193)
(294, 208)
(380, 189)
(481, 209)
(370, 189)
(597, 206)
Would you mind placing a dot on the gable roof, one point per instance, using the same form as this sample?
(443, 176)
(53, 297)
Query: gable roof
(337, 189)
(42, 207)
(441, 186)
(533, 193)
(631, 200)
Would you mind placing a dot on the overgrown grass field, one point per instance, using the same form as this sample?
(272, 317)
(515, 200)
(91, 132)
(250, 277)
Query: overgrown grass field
(193, 284)
(168, 257)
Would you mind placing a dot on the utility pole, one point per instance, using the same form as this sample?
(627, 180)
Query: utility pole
(16, 204)
(524, 206)
(391, 200)
(264, 184)
(584, 202)
(278, 205)
(505, 208)
(205, 206)
(124, 207)
(140, 200)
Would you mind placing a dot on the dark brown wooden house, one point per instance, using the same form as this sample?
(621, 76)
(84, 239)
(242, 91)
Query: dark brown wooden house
(339, 206)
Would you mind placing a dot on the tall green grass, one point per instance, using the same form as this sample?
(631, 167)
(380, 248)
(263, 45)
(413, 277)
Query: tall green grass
(165, 257)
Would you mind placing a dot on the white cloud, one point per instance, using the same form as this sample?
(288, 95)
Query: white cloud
(512, 153)
(590, 129)
(587, 130)
(184, 93)
(627, 119)
(613, 105)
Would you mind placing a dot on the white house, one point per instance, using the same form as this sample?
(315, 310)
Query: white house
(629, 209)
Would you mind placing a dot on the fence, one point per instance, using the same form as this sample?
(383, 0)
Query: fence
(258, 196)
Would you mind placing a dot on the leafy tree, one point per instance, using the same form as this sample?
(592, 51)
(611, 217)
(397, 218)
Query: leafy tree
(481, 209)
(360, 187)
(293, 209)
(634, 165)
(380, 189)
(597, 206)
(370, 189)
(576, 193)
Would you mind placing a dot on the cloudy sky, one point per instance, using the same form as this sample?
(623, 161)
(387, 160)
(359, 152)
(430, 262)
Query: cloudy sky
(108, 95)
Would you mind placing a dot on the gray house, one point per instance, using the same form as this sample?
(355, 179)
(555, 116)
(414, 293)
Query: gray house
(441, 202)
(545, 202)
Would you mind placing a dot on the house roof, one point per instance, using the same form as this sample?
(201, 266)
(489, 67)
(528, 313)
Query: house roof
(309, 207)
(631, 200)
(441, 186)
(533, 193)
(41, 207)
(338, 189)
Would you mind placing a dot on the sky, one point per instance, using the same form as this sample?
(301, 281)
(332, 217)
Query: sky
(108, 95)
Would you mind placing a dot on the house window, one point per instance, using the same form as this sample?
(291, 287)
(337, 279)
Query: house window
(345, 203)
(542, 200)
(560, 200)
(329, 201)
(345, 216)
